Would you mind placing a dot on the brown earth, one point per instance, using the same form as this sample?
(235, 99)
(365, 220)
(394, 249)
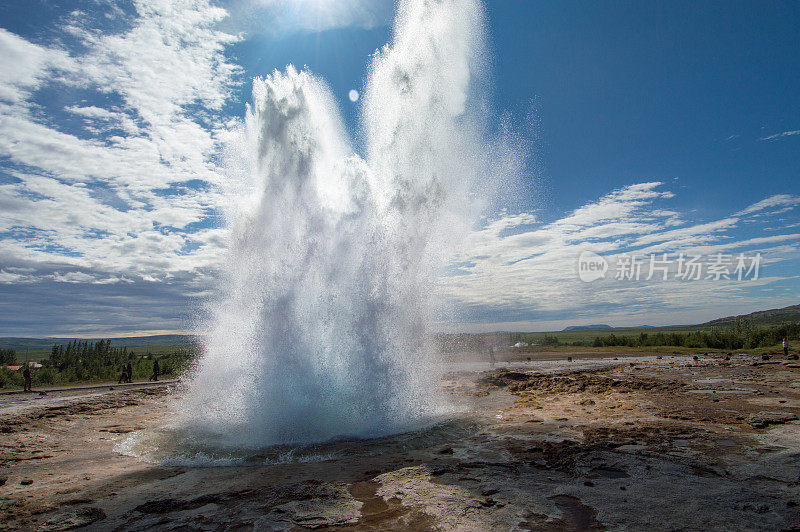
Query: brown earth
(673, 444)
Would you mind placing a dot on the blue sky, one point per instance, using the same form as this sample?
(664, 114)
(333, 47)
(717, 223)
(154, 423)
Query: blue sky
(647, 128)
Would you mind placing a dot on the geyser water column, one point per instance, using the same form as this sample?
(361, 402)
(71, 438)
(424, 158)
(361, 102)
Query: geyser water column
(320, 326)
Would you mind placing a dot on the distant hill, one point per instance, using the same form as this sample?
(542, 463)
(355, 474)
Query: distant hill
(586, 327)
(763, 317)
(39, 344)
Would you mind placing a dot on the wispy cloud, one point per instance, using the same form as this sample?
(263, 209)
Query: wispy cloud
(786, 201)
(126, 194)
(781, 135)
(520, 273)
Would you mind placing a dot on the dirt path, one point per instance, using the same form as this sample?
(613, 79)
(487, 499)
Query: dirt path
(657, 444)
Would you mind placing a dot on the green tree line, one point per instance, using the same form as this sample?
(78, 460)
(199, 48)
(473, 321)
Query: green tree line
(84, 361)
(742, 334)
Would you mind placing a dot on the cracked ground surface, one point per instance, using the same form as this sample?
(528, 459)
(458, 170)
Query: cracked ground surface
(667, 444)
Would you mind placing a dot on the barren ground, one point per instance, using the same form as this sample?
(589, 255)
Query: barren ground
(666, 443)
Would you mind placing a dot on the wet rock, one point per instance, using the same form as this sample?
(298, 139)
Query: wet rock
(74, 519)
(439, 471)
(340, 509)
(608, 472)
(504, 378)
(575, 515)
(764, 419)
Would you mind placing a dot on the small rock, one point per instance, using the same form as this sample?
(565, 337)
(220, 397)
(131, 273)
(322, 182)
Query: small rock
(588, 483)
(791, 504)
(488, 491)
(26, 482)
(793, 357)
(623, 488)
(764, 357)
(446, 450)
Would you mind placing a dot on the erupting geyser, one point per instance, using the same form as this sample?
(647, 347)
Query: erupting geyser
(320, 327)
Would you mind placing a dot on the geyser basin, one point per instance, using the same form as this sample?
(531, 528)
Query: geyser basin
(193, 448)
(320, 326)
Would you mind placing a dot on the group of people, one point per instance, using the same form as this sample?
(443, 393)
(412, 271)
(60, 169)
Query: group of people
(126, 377)
(127, 372)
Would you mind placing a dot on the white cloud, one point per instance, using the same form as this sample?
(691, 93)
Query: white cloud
(781, 135)
(25, 65)
(515, 270)
(121, 205)
(778, 200)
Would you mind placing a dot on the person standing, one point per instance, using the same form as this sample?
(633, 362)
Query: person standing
(785, 347)
(26, 374)
(156, 370)
(129, 371)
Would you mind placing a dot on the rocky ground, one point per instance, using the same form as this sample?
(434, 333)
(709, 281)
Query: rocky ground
(666, 443)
